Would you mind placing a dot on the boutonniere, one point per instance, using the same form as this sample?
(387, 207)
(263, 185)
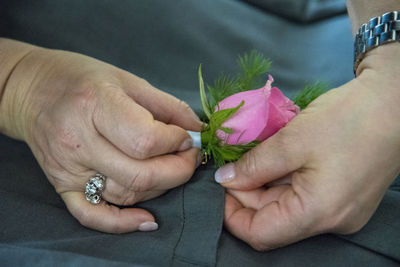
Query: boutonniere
(240, 113)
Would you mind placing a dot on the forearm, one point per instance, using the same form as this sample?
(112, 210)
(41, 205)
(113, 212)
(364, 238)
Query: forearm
(11, 54)
(360, 11)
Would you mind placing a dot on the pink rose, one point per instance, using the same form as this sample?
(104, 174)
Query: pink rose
(265, 111)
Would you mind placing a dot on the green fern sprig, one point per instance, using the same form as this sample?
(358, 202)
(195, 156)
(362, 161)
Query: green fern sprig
(252, 66)
(222, 87)
(309, 93)
(212, 145)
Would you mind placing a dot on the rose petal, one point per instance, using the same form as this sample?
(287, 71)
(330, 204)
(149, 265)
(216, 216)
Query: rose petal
(265, 111)
(281, 111)
(250, 120)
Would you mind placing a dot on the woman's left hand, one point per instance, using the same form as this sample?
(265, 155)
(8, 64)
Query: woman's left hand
(328, 169)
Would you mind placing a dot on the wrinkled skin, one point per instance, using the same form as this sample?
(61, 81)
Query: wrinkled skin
(81, 116)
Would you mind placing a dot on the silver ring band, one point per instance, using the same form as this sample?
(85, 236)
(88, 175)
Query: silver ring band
(94, 188)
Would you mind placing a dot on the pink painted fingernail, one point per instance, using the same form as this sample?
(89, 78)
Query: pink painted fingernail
(148, 226)
(225, 173)
(188, 143)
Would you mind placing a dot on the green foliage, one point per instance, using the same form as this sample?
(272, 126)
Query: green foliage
(212, 145)
(230, 153)
(222, 87)
(309, 93)
(252, 66)
(204, 100)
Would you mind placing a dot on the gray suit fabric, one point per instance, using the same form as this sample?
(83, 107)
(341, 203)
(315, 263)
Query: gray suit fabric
(164, 42)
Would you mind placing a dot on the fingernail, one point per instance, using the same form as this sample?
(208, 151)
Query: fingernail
(148, 226)
(188, 143)
(225, 173)
(199, 121)
(196, 138)
(199, 159)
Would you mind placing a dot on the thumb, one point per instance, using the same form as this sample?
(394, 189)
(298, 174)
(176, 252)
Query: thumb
(270, 160)
(108, 218)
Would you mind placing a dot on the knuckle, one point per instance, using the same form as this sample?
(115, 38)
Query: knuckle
(249, 165)
(143, 146)
(258, 244)
(181, 108)
(83, 97)
(143, 82)
(184, 168)
(184, 106)
(141, 181)
(84, 101)
(129, 199)
(122, 197)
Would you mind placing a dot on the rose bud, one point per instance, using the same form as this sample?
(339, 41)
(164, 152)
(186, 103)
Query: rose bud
(265, 111)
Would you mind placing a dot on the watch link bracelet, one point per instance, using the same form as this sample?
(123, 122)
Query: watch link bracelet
(377, 31)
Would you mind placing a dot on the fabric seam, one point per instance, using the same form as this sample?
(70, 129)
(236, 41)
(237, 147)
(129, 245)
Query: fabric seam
(183, 225)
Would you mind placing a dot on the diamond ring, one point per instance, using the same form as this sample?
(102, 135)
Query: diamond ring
(94, 188)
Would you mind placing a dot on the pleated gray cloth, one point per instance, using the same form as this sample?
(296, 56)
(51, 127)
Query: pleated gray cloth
(164, 42)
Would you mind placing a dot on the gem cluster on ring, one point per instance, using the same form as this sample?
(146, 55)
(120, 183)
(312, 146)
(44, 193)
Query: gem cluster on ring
(94, 188)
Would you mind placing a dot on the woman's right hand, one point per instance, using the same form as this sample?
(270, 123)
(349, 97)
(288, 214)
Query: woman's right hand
(81, 116)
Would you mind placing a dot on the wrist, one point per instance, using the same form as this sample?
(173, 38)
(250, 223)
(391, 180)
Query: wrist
(14, 85)
(378, 31)
(377, 87)
(382, 63)
(378, 74)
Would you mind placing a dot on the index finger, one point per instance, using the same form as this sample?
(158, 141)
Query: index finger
(163, 106)
(132, 128)
(157, 173)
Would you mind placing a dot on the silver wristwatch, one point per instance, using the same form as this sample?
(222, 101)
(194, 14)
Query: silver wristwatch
(379, 30)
